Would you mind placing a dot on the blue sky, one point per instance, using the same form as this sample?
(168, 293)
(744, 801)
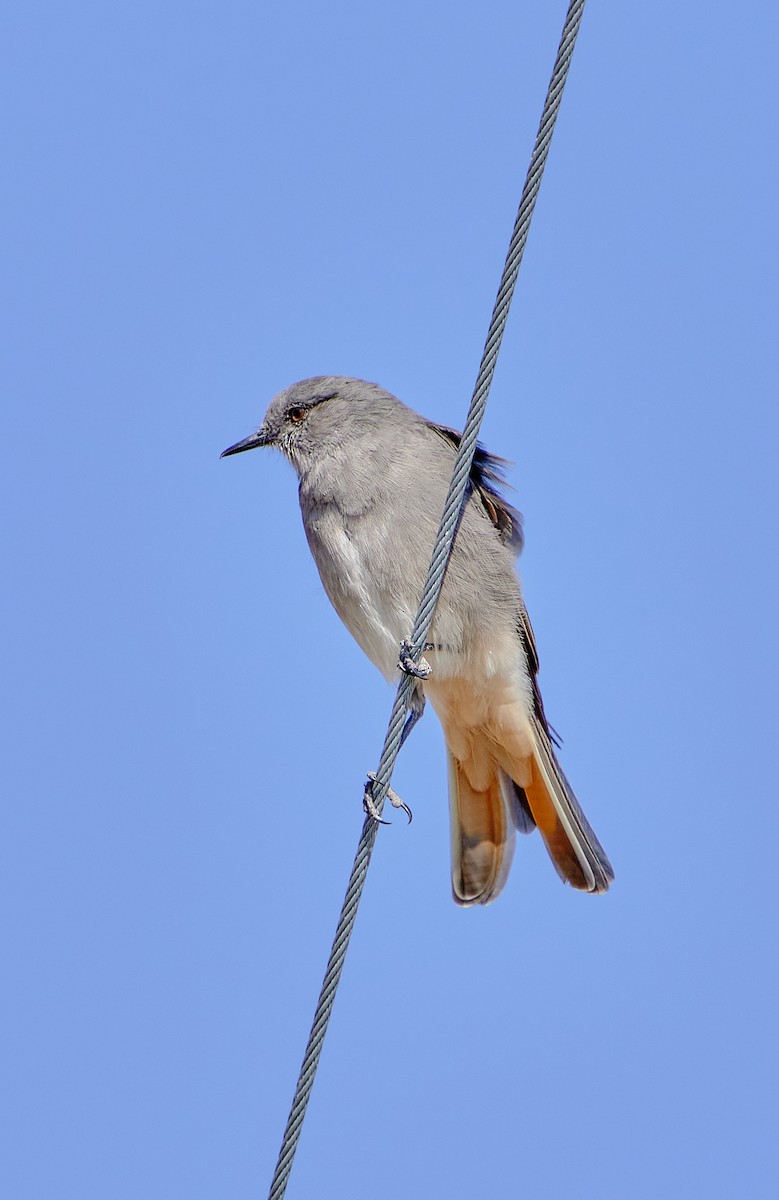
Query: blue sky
(202, 204)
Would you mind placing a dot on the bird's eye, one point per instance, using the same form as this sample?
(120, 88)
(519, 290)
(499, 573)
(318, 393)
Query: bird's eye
(297, 414)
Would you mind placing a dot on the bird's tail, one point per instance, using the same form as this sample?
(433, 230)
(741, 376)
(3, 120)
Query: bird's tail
(511, 780)
(482, 825)
(486, 809)
(570, 839)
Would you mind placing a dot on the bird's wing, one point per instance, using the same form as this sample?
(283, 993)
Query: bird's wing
(487, 476)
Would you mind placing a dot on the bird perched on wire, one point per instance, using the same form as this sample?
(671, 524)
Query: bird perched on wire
(373, 479)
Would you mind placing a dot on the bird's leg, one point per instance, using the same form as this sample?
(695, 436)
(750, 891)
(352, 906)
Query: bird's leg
(416, 706)
(369, 806)
(421, 669)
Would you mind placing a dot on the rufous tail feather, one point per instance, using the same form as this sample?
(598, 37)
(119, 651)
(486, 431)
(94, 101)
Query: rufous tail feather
(482, 829)
(573, 847)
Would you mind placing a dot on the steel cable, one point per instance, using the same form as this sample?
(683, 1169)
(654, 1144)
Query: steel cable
(440, 558)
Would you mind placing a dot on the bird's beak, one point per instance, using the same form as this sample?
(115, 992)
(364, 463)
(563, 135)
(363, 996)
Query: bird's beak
(261, 438)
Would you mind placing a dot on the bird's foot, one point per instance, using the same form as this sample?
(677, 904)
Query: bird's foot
(369, 806)
(419, 670)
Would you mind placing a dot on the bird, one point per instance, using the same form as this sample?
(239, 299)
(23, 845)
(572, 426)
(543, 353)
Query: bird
(372, 479)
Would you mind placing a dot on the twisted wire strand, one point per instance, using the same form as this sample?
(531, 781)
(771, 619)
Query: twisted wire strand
(430, 593)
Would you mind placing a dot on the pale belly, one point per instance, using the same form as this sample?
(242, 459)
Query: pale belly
(378, 605)
(377, 617)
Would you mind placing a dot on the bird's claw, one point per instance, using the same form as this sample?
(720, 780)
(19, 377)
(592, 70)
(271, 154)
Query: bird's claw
(420, 669)
(369, 806)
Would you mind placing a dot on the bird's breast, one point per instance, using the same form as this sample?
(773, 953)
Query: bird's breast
(373, 569)
(378, 612)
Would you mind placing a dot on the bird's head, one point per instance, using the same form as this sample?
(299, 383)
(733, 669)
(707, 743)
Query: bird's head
(317, 417)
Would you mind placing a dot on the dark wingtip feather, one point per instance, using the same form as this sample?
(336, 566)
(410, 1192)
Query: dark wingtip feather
(487, 477)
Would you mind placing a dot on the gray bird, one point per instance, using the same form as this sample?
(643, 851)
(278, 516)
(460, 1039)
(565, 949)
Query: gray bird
(373, 479)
